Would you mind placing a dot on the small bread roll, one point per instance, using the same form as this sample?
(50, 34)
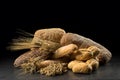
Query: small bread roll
(73, 63)
(86, 55)
(95, 50)
(65, 50)
(82, 68)
(45, 63)
(94, 63)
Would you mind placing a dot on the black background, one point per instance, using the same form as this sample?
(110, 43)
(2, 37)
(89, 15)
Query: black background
(102, 28)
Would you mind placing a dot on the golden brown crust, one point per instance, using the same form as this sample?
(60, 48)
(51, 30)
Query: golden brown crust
(94, 63)
(83, 42)
(50, 34)
(86, 55)
(73, 63)
(41, 64)
(82, 68)
(65, 50)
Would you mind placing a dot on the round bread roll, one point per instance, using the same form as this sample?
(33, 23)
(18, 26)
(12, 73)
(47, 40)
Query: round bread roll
(73, 63)
(82, 68)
